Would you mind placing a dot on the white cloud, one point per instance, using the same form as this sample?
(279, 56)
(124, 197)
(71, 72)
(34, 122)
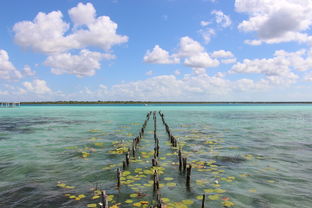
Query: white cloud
(221, 18)
(279, 69)
(160, 56)
(191, 52)
(7, 69)
(149, 73)
(37, 86)
(222, 54)
(308, 77)
(228, 61)
(27, 71)
(201, 60)
(195, 86)
(84, 64)
(177, 72)
(204, 23)
(189, 47)
(46, 33)
(276, 21)
(207, 34)
(82, 14)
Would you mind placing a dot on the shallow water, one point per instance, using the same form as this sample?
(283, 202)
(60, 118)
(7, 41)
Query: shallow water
(267, 149)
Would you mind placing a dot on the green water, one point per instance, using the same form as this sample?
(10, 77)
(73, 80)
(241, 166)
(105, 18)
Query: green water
(266, 148)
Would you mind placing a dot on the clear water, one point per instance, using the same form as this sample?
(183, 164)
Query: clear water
(266, 148)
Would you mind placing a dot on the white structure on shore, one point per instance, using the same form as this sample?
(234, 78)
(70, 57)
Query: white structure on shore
(10, 104)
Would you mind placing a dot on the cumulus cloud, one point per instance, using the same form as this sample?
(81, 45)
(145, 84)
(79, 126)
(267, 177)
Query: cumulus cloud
(84, 64)
(221, 18)
(276, 21)
(222, 54)
(207, 34)
(191, 52)
(27, 71)
(280, 68)
(189, 47)
(201, 60)
(197, 85)
(7, 69)
(51, 35)
(160, 56)
(82, 14)
(37, 86)
(46, 33)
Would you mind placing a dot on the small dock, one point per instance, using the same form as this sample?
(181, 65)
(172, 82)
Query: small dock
(10, 104)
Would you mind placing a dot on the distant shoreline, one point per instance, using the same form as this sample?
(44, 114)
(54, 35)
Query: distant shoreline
(150, 102)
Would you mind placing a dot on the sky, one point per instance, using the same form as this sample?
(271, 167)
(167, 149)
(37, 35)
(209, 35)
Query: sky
(156, 50)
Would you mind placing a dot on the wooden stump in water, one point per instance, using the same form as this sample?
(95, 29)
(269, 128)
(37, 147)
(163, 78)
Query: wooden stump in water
(188, 175)
(184, 160)
(104, 199)
(127, 159)
(180, 160)
(118, 177)
(203, 201)
(124, 166)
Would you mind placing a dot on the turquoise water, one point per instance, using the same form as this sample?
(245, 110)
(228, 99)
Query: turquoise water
(251, 155)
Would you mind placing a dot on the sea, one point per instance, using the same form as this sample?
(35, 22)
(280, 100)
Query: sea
(242, 155)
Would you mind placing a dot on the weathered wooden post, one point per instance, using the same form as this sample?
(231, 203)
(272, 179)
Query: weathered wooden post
(127, 159)
(154, 162)
(203, 201)
(180, 160)
(104, 199)
(118, 177)
(184, 159)
(188, 175)
(124, 166)
(156, 181)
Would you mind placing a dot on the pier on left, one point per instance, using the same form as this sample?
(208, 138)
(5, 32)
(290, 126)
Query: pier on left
(10, 104)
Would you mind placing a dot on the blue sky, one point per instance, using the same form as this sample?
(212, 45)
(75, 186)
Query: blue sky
(157, 50)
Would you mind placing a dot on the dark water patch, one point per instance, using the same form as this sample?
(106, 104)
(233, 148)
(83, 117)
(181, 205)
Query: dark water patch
(260, 203)
(21, 125)
(229, 159)
(4, 138)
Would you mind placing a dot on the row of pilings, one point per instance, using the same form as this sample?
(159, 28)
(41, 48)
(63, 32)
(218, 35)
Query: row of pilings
(184, 169)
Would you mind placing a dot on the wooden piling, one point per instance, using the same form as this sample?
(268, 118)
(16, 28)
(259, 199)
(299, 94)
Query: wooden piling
(104, 199)
(127, 159)
(203, 201)
(188, 175)
(184, 160)
(118, 177)
(154, 162)
(124, 166)
(180, 160)
(156, 181)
